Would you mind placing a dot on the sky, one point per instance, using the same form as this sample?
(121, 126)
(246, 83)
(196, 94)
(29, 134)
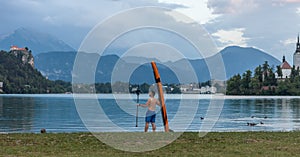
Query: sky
(269, 25)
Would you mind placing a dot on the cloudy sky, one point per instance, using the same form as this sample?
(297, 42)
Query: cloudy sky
(269, 25)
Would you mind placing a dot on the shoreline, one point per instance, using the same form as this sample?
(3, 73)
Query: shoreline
(145, 96)
(138, 132)
(160, 131)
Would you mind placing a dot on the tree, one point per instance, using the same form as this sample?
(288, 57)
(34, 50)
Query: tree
(245, 82)
(255, 86)
(265, 66)
(279, 71)
(293, 73)
(19, 77)
(258, 73)
(233, 85)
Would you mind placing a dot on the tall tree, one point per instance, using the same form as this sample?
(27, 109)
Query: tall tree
(293, 73)
(279, 71)
(233, 85)
(258, 73)
(245, 82)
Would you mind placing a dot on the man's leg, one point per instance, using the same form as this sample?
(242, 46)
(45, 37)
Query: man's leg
(146, 126)
(153, 127)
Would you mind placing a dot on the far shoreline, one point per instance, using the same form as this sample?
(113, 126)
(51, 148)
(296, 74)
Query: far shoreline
(145, 96)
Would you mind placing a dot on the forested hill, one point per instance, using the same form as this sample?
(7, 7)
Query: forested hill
(19, 77)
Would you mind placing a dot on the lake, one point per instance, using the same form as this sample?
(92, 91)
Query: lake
(60, 113)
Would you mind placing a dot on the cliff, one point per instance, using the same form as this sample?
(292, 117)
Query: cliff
(18, 75)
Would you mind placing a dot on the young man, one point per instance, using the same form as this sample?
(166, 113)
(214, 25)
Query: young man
(150, 114)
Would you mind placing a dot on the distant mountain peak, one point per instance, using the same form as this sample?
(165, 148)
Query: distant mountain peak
(243, 49)
(35, 40)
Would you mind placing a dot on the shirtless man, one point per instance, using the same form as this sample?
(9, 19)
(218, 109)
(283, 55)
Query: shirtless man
(150, 114)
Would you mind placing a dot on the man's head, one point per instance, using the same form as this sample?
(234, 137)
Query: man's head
(151, 93)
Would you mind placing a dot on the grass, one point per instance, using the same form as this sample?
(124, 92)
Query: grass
(189, 144)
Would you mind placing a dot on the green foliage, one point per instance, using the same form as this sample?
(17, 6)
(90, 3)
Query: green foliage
(172, 89)
(233, 85)
(103, 87)
(279, 71)
(22, 78)
(263, 82)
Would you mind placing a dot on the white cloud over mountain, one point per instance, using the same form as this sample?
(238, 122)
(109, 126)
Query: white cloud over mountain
(231, 37)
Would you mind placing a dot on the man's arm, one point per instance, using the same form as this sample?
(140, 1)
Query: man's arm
(158, 102)
(145, 105)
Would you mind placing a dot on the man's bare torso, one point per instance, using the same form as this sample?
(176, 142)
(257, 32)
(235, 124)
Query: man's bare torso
(152, 102)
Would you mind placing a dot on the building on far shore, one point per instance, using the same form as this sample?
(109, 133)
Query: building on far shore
(296, 58)
(16, 48)
(286, 68)
(23, 53)
(194, 88)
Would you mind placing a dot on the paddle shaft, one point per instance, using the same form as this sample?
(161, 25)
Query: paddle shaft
(137, 109)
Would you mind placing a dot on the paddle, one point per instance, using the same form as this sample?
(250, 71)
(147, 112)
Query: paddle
(137, 92)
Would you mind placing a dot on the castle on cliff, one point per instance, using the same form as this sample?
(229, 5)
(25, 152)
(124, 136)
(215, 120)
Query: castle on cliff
(24, 54)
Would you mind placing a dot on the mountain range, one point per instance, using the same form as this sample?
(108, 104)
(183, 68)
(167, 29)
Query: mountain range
(38, 42)
(54, 59)
(59, 65)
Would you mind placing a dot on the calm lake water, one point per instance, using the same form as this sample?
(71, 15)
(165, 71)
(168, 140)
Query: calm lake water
(58, 113)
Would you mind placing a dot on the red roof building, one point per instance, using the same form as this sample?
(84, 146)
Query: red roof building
(285, 68)
(285, 65)
(16, 48)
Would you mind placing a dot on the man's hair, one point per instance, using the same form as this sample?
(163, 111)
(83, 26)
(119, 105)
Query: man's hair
(153, 93)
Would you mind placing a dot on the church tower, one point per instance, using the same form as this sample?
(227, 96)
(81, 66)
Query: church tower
(297, 54)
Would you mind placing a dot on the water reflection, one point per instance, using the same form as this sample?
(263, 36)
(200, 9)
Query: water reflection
(30, 114)
(16, 113)
(59, 114)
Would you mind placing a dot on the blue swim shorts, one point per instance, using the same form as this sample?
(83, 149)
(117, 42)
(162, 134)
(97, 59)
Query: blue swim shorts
(150, 116)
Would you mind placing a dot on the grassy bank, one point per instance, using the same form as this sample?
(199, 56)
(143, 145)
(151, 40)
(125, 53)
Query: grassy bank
(189, 144)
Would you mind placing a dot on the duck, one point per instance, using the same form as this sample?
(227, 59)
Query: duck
(201, 118)
(43, 130)
(251, 124)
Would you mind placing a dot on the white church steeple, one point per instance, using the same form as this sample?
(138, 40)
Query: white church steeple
(297, 54)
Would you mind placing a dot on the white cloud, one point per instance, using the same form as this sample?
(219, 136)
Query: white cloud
(288, 41)
(231, 6)
(231, 37)
(50, 19)
(195, 9)
(290, 1)
(240, 6)
(267, 23)
(179, 17)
